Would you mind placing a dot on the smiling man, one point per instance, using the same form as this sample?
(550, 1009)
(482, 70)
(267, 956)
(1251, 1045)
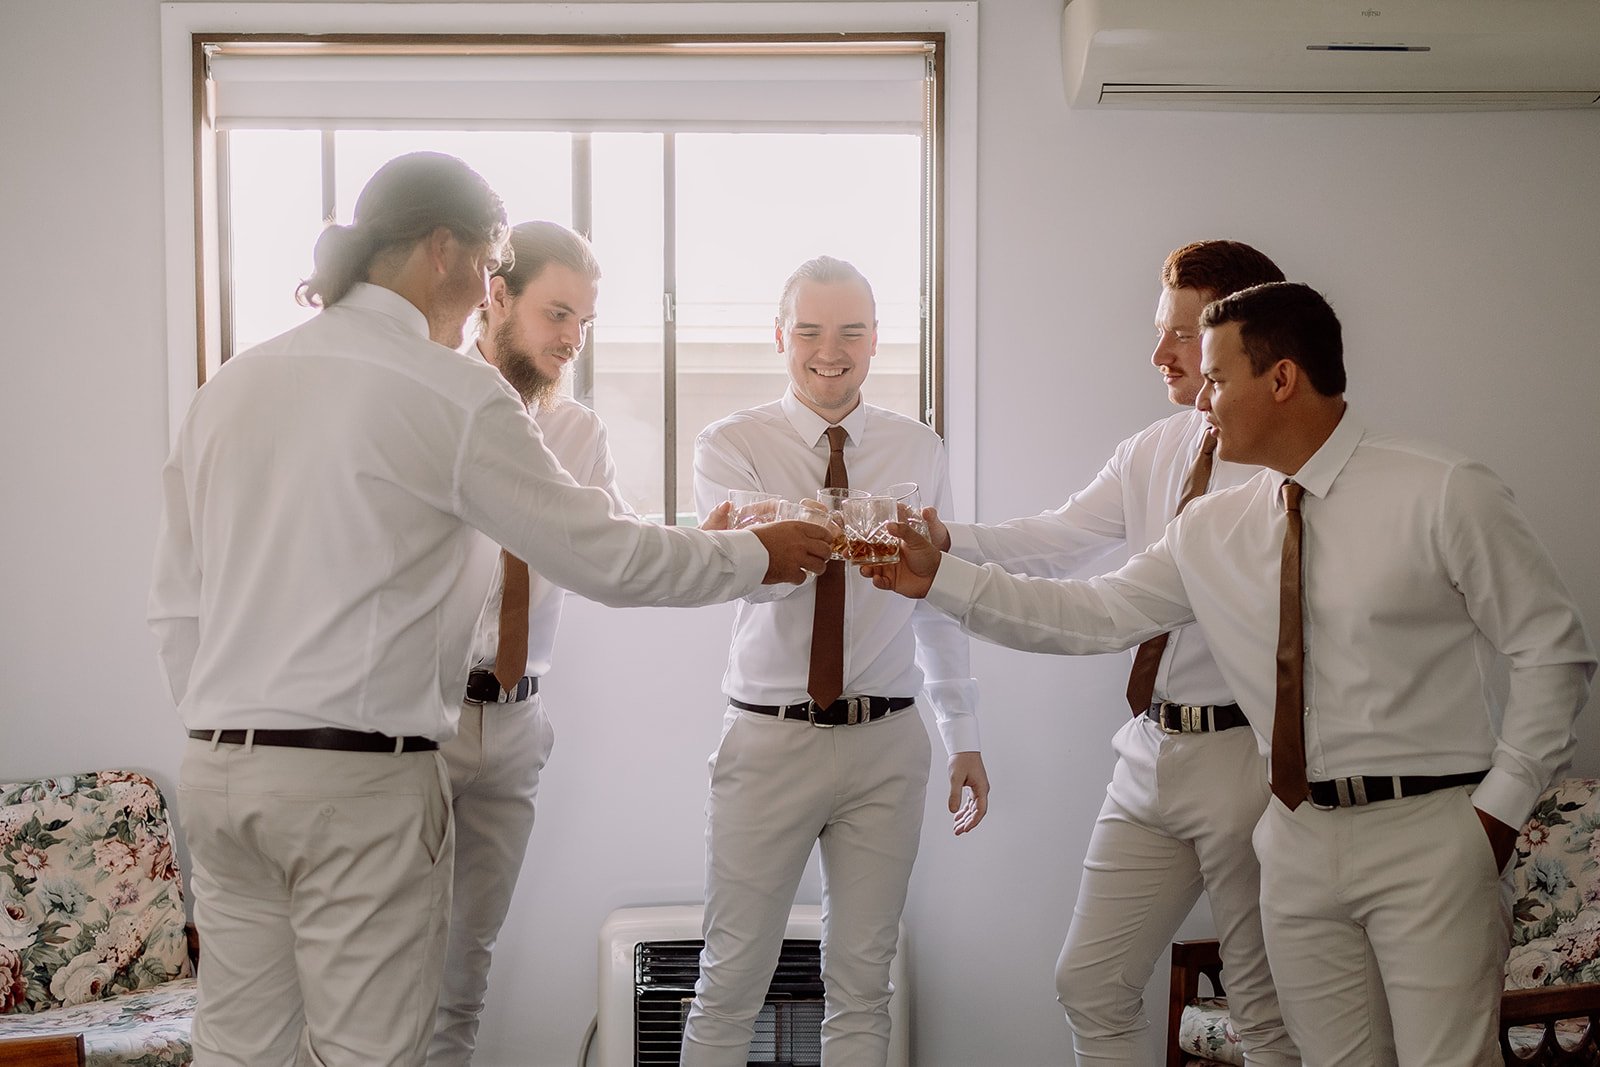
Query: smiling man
(831, 653)
(1189, 782)
(532, 327)
(1354, 594)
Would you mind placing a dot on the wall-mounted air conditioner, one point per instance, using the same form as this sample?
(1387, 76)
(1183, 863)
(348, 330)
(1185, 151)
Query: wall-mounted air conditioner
(1332, 55)
(650, 957)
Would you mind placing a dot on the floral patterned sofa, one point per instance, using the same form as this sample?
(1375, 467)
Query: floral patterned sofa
(1550, 1014)
(92, 935)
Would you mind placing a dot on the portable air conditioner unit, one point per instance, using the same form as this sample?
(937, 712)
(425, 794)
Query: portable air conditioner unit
(1332, 55)
(650, 957)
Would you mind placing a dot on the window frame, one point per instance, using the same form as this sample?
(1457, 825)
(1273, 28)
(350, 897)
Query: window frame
(193, 313)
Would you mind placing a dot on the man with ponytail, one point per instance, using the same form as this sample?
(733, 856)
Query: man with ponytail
(319, 571)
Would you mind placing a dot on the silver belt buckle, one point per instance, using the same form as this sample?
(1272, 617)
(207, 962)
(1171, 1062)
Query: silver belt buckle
(811, 715)
(1191, 718)
(1161, 717)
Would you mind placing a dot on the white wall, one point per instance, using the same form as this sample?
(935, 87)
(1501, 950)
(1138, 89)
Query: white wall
(1457, 249)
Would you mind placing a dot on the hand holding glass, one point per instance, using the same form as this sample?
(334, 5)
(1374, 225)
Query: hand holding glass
(909, 496)
(751, 506)
(833, 500)
(866, 529)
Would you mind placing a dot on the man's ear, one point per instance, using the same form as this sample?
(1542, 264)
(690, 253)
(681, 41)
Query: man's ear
(1287, 377)
(438, 245)
(499, 301)
(777, 332)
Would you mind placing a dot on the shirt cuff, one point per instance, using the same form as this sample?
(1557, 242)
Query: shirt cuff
(750, 560)
(954, 586)
(954, 704)
(1505, 797)
(963, 542)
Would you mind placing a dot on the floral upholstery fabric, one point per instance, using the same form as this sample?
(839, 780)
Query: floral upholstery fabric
(149, 1028)
(91, 912)
(1207, 1034)
(1555, 933)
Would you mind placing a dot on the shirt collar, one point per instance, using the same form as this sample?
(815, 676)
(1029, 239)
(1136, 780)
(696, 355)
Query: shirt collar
(812, 427)
(371, 297)
(1317, 474)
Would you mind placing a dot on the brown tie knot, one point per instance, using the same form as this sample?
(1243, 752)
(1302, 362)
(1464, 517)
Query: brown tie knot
(1292, 492)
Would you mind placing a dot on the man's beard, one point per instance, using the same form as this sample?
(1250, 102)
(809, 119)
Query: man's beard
(517, 365)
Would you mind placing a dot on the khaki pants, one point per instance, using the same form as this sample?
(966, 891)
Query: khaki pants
(777, 789)
(1387, 927)
(321, 888)
(1178, 816)
(494, 760)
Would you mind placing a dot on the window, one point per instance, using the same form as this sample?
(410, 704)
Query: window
(703, 170)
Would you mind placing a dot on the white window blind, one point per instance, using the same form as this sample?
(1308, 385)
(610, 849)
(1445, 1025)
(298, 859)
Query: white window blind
(878, 87)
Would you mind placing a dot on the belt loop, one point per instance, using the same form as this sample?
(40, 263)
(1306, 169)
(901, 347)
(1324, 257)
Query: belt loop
(216, 739)
(250, 740)
(399, 745)
(1398, 792)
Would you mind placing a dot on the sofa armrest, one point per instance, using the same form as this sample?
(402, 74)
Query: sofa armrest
(64, 1050)
(1544, 1007)
(1190, 960)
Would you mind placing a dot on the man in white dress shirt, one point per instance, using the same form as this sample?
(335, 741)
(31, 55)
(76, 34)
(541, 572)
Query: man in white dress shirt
(317, 579)
(540, 308)
(1395, 800)
(1190, 782)
(847, 769)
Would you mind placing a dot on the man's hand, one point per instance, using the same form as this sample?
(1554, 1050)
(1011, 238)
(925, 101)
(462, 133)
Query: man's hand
(938, 532)
(968, 776)
(721, 517)
(794, 550)
(919, 562)
(1502, 838)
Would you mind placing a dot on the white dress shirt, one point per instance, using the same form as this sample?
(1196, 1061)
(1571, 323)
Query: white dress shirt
(1418, 567)
(317, 563)
(1129, 502)
(577, 438)
(892, 646)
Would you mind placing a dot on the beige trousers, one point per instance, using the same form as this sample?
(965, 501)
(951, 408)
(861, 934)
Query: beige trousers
(1177, 818)
(494, 760)
(778, 788)
(1387, 928)
(321, 890)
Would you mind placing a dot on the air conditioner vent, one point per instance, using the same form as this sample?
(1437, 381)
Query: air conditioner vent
(1329, 55)
(650, 959)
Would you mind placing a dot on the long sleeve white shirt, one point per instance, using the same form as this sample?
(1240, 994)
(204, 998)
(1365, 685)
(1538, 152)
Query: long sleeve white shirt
(1129, 503)
(892, 646)
(1418, 569)
(317, 563)
(577, 438)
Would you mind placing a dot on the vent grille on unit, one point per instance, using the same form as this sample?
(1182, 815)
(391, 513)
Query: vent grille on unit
(788, 1031)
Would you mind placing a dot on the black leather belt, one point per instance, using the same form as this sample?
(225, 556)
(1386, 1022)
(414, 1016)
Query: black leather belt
(846, 711)
(1371, 788)
(326, 737)
(484, 688)
(1195, 718)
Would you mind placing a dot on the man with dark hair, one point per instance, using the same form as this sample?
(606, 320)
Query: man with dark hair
(317, 579)
(1395, 570)
(823, 744)
(533, 326)
(1189, 782)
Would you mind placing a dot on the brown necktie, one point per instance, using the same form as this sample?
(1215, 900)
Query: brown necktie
(511, 655)
(825, 682)
(1147, 661)
(1288, 724)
